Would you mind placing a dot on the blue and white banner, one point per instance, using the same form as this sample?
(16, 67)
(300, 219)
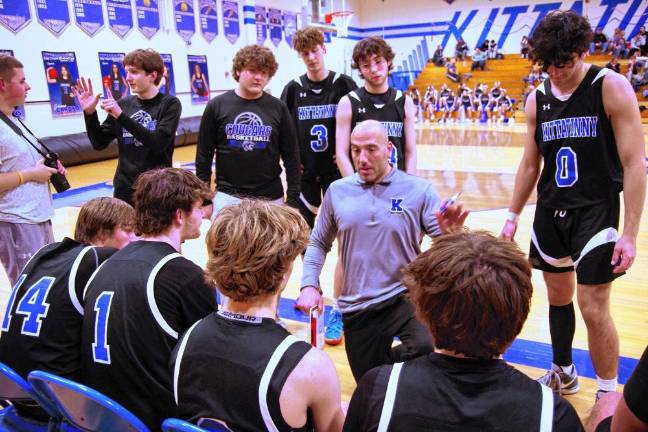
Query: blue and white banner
(261, 24)
(120, 16)
(18, 111)
(231, 25)
(61, 73)
(148, 17)
(274, 25)
(290, 25)
(183, 13)
(208, 19)
(54, 15)
(113, 75)
(199, 82)
(167, 83)
(88, 15)
(14, 14)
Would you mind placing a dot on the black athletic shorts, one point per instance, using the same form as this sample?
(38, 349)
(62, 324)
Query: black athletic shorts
(582, 239)
(313, 189)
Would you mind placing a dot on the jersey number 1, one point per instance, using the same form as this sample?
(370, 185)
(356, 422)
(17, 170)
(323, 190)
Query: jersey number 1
(320, 143)
(566, 167)
(32, 305)
(100, 347)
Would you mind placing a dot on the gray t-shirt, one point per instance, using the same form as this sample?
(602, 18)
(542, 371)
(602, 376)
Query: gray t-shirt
(30, 202)
(379, 229)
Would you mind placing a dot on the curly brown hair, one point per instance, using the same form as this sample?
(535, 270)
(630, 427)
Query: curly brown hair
(369, 46)
(473, 291)
(147, 60)
(307, 39)
(559, 36)
(100, 217)
(254, 57)
(159, 193)
(251, 246)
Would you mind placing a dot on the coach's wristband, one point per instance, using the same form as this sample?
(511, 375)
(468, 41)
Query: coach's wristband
(513, 217)
(312, 286)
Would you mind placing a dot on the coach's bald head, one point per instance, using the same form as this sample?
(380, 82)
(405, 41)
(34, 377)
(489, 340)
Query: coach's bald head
(371, 151)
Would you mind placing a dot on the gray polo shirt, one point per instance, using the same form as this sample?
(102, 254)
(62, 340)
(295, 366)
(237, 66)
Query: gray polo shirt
(378, 227)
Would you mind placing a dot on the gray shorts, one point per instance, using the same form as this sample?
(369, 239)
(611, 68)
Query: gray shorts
(19, 242)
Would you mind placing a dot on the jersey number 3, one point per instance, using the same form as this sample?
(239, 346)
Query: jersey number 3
(32, 305)
(566, 167)
(320, 143)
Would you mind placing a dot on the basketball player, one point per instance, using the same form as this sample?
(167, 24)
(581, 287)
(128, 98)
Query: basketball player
(144, 124)
(373, 57)
(378, 216)
(221, 363)
(580, 122)
(312, 100)
(457, 289)
(249, 131)
(41, 328)
(145, 296)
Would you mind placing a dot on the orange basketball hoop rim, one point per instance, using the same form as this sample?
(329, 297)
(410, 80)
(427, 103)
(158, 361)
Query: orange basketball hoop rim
(340, 19)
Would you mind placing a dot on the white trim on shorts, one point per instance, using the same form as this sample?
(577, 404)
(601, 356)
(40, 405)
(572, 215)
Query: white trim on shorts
(556, 262)
(607, 235)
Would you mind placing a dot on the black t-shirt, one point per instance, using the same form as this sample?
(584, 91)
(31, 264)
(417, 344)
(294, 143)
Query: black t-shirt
(136, 306)
(387, 108)
(66, 85)
(218, 367)
(145, 133)
(249, 137)
(41, 328)
(313, 106)
(443, 393)
(635, 391)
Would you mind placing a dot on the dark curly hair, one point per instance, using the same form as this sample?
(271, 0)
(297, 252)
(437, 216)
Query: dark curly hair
(559, 36)
(369, 46)
(254, 57)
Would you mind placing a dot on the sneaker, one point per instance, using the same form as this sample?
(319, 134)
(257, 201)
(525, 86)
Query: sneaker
(333, 333)
(600, 394)
(559, 381)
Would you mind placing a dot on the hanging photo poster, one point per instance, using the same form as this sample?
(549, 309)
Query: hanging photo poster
(14, 14)
(148, 17)
(208, 19)
(61, 73)
(231, 26)
(18, 111)
(183, 12)
(261, 24)
(120, 16)
(199, 82)
(167, 83)
(113, 75)
(274, 25)
(54, 15)
(290, 26)
(88, 15)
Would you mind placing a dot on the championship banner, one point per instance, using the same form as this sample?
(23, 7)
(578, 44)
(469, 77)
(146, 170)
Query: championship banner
(261, 24)
(148, 17)
(18, 111)
(14, 14)
(167, 83)
(54, 15)
(88, 15)
(183, 12)
(113, 75)
(199, 82)
(208, 19)
(290, 26)
(61, 73)
(274, 25)
(120, 16)
(231, 26)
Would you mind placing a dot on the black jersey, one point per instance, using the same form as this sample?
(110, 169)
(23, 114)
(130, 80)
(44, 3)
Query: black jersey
(313, 106)
(249, 136)
(442, 393)
(575, 137)
(389, 109)
(232, 367)
(41, 329)
(145, 133)
(66, 85)
(136, 306)
(199, 85)
(116, 86)
(636, 389)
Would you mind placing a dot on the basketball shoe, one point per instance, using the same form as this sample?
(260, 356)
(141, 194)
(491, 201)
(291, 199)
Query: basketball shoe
(560, 381)
(334, 328)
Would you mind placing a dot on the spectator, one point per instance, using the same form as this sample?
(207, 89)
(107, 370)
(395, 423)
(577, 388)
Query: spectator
(461, 50)
(614, 64)
(437, 58)
(478, 60)
(452, 70)
(473, 292)
(618, 44)
(599, 41)
(524, 47)
(493, 50)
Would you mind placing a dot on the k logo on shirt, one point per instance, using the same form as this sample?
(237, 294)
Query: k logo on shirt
(396, 205)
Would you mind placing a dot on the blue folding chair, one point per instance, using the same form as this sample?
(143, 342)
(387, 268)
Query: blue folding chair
(14, 388)
(176, 425)
(213, 425)
(84, 407)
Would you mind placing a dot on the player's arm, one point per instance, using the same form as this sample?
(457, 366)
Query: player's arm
(343, 136)
(410, 136)
(206, 145)
(163, 137)
(527, 173)
(100, 135)
(290, 156)
(618, 100)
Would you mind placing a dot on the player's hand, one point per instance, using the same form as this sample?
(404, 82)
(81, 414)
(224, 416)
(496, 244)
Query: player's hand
(452, 218)
(625, 251)
(111, 106)
(84, 93)
(308, 298)
(39, 173)
(509, 230)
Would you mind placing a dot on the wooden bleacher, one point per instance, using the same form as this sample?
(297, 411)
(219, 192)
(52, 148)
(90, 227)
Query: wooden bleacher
(509, 71)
